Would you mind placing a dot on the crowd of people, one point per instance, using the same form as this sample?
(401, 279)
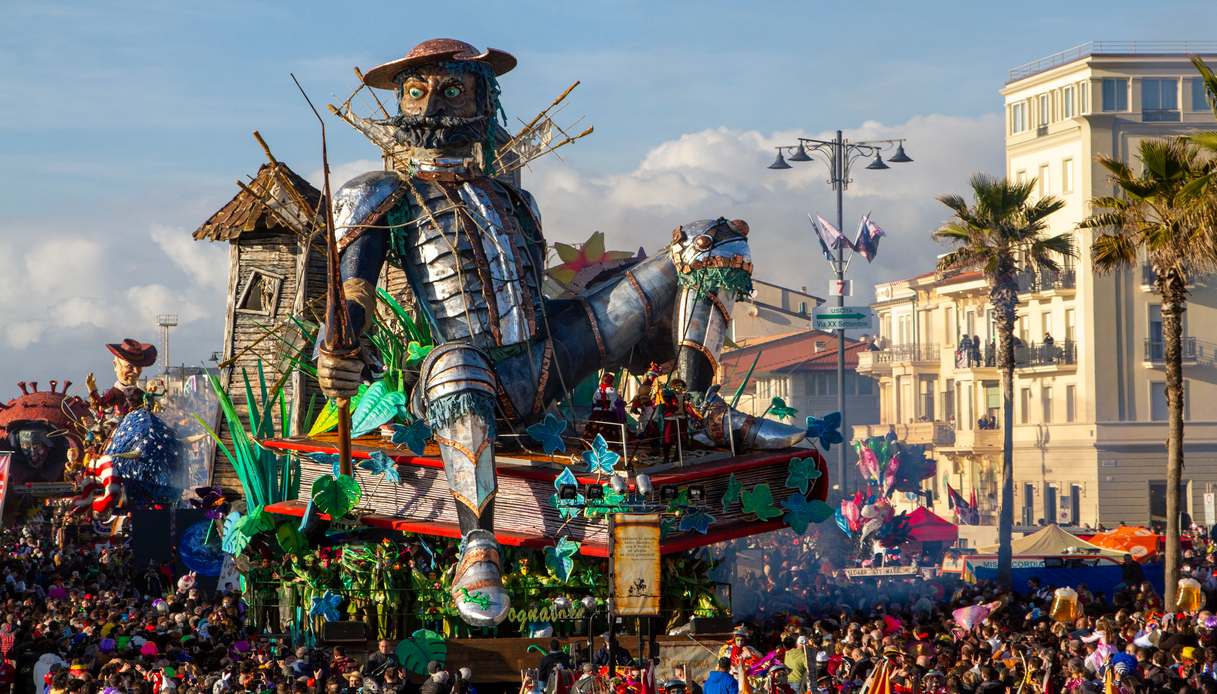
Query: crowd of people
(77, 618)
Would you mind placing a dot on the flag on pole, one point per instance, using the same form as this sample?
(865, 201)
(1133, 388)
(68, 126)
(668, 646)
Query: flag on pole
(867, 241)
(965, 512)
(820, 237)
(830, 236)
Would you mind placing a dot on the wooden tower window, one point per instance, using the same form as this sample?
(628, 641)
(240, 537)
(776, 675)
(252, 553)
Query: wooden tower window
(261, 293)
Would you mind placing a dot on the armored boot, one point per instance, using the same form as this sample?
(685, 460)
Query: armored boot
(457, 398)
(726, 426)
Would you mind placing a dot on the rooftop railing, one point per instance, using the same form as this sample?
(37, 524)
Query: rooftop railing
(1109, 48)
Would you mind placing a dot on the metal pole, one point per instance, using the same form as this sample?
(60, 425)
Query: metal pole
(608, 604)
(839, 155)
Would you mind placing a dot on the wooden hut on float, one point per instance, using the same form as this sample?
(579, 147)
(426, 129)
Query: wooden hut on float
(276, 271)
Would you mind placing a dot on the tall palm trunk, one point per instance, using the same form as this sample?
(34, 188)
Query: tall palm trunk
(1174, 303)
(1004, 297)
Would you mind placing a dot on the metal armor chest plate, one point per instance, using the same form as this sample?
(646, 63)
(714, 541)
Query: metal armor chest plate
(471, 264)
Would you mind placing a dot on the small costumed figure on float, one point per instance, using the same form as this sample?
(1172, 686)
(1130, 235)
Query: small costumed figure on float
(678, 414)
(608, 411)
(642, 405)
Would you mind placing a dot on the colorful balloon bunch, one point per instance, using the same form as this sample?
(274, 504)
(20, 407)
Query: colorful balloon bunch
(872, 518)
(889, 466)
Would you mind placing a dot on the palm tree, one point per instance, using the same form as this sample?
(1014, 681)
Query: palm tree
(1160, 214)
(1002, 228)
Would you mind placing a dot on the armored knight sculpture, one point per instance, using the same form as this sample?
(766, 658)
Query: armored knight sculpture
(471, 246)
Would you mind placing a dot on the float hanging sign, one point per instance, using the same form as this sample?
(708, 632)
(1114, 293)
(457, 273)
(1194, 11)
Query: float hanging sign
(635, 570)
(5, 461)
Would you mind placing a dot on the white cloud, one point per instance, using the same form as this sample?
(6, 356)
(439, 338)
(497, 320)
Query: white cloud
(341, 173)
(206, 263)
(722, 172)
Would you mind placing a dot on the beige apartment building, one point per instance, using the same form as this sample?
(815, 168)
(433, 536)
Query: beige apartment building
(1089, 429)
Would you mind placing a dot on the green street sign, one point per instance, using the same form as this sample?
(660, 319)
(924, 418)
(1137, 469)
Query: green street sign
(842, 318)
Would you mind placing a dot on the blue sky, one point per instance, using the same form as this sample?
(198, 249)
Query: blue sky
(126, 124)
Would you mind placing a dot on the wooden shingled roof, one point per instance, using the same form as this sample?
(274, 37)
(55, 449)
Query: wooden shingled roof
(245, 213)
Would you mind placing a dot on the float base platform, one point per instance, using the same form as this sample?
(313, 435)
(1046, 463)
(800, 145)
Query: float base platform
(525, 515)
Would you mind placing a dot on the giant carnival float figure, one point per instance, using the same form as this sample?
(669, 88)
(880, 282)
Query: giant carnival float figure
(472, 248)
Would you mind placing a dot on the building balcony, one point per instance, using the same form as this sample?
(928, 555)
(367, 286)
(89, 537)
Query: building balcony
(918, 433)
(1046, 357)
(977, 440)
(1159, 115)
(881, 361)
(1062, 281)
(1155, 350)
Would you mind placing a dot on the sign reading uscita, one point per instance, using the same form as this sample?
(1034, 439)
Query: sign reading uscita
(634, 548)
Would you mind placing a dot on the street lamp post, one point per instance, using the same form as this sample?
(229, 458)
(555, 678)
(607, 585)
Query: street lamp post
(839, 154)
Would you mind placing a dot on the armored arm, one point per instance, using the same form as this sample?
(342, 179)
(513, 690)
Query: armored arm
(360, 268)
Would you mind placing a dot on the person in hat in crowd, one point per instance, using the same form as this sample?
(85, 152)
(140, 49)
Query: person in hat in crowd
(738, 651)
(131, 357)
(588, 682)
(437, 680)
(602, 659)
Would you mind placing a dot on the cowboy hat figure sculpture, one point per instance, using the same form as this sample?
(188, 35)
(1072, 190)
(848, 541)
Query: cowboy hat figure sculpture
(472, 248)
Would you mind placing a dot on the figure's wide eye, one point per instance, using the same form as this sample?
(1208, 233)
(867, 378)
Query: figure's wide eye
(452, 91)
(703, 242)
(415, 92)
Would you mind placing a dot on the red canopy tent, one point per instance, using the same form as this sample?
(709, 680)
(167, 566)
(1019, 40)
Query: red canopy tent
(925, 526)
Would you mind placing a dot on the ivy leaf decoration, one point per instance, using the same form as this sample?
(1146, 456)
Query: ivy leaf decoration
(413, 436)
(600, 458)
(758, 502)
(612, 502)
(548, 433)
(381, 464)
(336, 496)
(731, 496)
(560, 559)
(330, 459)
(416, 353)
(825, 429)
(422, 647)
(800, 473)
(567, 508)
(680, 501)
(667, 526)
(800, 512)
(697, 520)
(778, 408)
(326, 607)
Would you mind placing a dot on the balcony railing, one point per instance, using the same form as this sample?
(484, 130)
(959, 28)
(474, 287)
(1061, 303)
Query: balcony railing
(1054, 354)
(1160, 114)
(901, 354)
(1155, 350)
(1048, 280)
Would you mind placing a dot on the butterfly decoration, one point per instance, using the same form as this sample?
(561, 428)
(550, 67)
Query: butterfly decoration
(778, 408)
(330, 459)
(567, 508)
(209, 500)
(413, 436)
(326, 607)
(601, 458)
(731, 496)
(758, 502)
(381, 464)
(548, 433)
(826, 429)
(560, 558)
(800, 512)
(416, 353)
(697, 520)
(800, 473)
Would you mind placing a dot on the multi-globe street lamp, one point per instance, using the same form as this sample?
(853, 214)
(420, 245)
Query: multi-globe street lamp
(838, 155)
